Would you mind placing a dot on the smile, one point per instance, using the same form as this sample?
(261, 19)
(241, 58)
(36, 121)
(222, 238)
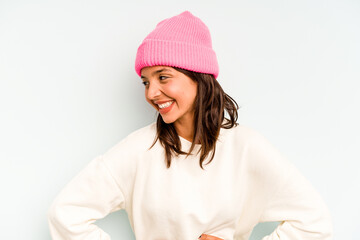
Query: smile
(165, 105)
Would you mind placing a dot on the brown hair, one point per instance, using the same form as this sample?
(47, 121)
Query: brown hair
(210, 105)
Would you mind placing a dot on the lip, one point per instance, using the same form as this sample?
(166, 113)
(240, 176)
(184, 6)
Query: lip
(167, 109)
(161, 102)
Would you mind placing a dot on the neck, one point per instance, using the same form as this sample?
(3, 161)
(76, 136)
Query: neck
(185, 129)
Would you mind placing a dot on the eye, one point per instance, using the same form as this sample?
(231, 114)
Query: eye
(162, 77)
(145, 83)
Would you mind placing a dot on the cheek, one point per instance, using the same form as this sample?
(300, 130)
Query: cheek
(191, 93)
(183, 94)
(173, 92)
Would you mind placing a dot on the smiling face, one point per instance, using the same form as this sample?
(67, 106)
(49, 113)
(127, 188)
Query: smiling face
(171, 93)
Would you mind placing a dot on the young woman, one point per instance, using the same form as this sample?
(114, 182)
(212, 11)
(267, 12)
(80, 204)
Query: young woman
(195, 172)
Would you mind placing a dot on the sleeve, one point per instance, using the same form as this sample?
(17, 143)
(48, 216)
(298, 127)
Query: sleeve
(288, 197)
(92, 194)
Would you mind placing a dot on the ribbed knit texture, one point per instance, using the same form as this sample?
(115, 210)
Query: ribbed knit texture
(182, 41)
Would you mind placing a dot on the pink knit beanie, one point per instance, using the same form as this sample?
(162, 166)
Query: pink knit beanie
(182, 41)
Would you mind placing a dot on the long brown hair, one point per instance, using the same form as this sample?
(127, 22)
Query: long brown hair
(210, 105)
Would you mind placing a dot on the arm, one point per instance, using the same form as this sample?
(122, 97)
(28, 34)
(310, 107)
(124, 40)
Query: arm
(90, 195)
(288, 197)
(300, 209)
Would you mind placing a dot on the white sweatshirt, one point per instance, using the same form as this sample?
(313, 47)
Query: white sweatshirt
(249, 181)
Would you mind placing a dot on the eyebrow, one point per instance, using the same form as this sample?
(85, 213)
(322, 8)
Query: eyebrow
(158, 71)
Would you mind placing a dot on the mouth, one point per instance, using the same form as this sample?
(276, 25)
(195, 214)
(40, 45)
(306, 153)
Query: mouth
(165, 107)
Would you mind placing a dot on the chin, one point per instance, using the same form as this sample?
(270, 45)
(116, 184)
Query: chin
(167, 120)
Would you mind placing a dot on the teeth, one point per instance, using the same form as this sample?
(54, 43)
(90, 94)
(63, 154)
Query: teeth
(164, 105)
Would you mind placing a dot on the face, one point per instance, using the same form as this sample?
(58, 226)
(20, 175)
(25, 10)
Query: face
(171, 93)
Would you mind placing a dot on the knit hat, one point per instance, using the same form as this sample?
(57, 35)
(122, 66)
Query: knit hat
(181, 41)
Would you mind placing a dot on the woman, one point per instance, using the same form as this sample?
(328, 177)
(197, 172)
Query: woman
(194, 172)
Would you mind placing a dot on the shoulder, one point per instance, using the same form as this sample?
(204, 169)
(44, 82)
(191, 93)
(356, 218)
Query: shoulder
(240, 134)
(252, 145)
(122, 158)
(136, 142)
(142, 135)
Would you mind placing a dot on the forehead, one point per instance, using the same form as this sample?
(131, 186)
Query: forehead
(149, 71)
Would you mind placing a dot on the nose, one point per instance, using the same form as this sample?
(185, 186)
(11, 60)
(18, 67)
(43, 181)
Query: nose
(153, 91)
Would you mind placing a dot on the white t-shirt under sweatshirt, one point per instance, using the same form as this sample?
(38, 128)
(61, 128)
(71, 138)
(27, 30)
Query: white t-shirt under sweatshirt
(248, 181)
